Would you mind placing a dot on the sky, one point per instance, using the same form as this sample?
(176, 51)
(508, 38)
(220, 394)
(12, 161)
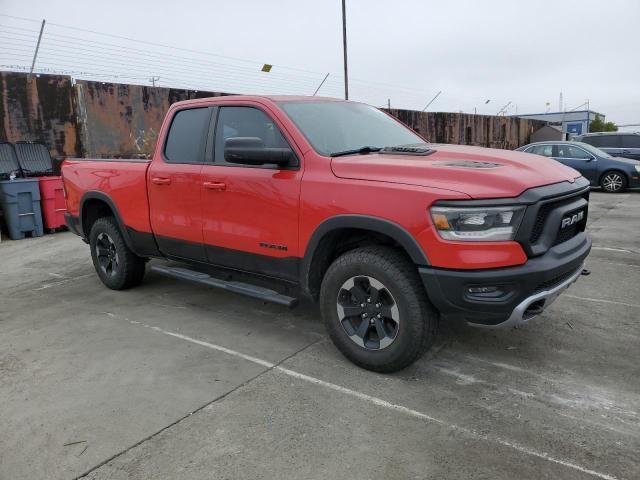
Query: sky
(515, 53)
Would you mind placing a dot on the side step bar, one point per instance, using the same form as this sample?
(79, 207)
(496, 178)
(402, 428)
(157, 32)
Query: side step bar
(253, 291)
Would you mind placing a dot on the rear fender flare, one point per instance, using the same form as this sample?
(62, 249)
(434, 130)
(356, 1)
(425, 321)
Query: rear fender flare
(103, 197)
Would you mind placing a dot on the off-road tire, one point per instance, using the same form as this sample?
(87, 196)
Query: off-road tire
(130, 269)
(417, 317)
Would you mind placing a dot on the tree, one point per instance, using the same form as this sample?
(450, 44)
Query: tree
(598, 125)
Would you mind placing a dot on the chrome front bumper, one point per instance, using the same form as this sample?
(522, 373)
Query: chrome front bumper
(534, 305)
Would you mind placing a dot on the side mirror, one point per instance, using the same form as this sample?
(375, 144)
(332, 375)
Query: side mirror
(591, 159)
(251, 151)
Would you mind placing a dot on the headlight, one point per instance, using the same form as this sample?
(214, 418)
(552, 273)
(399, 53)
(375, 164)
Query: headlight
(480, 224)
(637, 167)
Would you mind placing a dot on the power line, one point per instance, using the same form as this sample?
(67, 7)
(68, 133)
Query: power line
(90, 56)
(146, 42)
(379, 85)
(69, 55)
(118, 53)
(152, 67)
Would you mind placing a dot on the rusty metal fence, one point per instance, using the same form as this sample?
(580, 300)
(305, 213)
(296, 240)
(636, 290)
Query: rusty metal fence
(97, 119)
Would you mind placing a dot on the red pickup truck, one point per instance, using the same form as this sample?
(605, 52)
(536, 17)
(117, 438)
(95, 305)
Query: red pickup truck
(277, 197)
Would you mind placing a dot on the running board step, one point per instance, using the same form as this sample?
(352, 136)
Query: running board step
(249, 290)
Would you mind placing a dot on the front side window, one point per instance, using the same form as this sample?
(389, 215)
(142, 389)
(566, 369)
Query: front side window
(574, 152)
(596, 152)
(246, 122)
(187, 136)
(333, 127)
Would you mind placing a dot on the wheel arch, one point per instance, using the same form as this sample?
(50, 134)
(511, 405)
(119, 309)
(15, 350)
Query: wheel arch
(95, 205)
(332, 236)
(614, 169)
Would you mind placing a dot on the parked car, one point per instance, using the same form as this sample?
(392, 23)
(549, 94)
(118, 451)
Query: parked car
(613, 174)
(618, 144)
(342, 203)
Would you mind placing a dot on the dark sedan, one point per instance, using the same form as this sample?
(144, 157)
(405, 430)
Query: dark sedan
(613, 174)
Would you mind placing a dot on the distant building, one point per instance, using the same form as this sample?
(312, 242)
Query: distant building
(572, 123)
(548, 133)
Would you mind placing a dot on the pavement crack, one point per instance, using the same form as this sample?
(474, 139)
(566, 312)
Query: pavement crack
(608, 209)
(199, 409)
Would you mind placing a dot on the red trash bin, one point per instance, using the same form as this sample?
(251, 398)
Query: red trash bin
(52, 202)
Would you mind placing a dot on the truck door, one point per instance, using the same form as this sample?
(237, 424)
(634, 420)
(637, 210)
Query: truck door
(174, 180)
(250, 213)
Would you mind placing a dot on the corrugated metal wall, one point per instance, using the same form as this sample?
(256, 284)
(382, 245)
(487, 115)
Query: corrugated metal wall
(124, 119)
(40, 110)
(467, 129)
(93, 119)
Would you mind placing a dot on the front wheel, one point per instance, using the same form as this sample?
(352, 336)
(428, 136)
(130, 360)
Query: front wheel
(117, 266)
(375, 309)
(613, 181)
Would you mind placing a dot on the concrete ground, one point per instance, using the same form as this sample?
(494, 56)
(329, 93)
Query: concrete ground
(171, 381)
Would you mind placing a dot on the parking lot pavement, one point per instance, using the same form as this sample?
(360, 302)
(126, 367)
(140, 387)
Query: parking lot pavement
(174, 381)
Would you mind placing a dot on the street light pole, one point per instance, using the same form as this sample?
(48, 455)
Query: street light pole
(344, 50)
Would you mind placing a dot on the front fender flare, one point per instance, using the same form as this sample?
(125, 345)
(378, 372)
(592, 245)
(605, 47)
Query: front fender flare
(363, 222)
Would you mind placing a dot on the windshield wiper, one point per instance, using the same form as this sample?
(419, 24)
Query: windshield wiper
(362, 151)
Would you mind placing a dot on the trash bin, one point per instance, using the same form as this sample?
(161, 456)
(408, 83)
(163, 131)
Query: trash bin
(9, 166)
(52, 202)
(20, 202)
(19, 197)
(35, 161)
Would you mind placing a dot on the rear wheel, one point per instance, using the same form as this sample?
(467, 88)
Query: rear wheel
(117, 266)
(375, 309)
(613, 181)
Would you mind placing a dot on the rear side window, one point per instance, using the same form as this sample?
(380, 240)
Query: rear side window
(187, 134)
(246, 122)
(545, 150)
(603, 141)
(630, 141)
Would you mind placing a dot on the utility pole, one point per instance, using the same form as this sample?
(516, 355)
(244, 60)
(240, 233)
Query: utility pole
(388, 103)
(560, 109)
(35, 54)
(344, 50)
(153, 80)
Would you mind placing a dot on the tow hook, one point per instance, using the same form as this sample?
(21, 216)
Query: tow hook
(585, 272)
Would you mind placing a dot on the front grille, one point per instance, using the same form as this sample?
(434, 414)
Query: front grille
(549, 284)
(546, 209)
(567, 233)
(541, 218)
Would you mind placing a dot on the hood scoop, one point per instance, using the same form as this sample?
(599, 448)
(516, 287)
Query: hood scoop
(408, 150)
(468, 164)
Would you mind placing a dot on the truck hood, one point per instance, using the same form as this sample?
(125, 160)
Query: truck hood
(474, 171)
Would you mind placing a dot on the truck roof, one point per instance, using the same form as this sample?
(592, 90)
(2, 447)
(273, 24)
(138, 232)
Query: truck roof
(273, 98)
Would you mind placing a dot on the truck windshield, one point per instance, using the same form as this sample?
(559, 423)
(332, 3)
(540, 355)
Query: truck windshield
(333, 127)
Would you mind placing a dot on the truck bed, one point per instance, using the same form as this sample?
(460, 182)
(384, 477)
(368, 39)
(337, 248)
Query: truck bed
(125, 180)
